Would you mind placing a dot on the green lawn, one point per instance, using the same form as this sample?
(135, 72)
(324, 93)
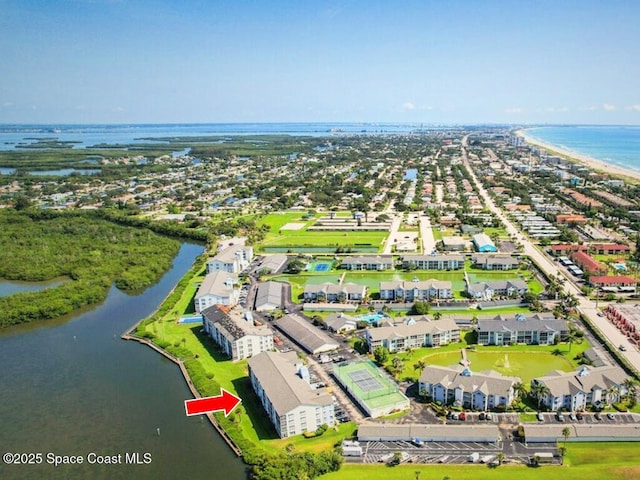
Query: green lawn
(524, 361)
(372, 279)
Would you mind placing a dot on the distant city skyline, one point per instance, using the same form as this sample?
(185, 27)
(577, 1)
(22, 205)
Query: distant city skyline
(411, 61)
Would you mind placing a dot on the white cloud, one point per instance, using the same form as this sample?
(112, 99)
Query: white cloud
(608, 107)
(514, 110)
(117, 109)
(590, 108)
(7, 104)
(635, 108)
(408, 106)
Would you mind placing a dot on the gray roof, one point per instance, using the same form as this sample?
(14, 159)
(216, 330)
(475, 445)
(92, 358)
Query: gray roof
(232, 322)
(432, 258)
(305, 334)
(336, 321)
(494, 259)
(585, 379)
(286, 390)
(273, 263)
(420, 285)
(480, 287)
(420, 327)
(268, 293)
(488, 382)
(502, 323)
(384, 259)
(615, 432)
(228, 254)
(219, 283)
(480, 433)
(332, 288)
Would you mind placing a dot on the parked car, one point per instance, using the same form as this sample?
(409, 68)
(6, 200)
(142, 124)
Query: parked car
(573, 417)
(579, 415)
(463, 416)
(540, 417)
(622, 348)
(488, 416)
(610, 416)
(481, 416)
(597, 416)
(560, 417)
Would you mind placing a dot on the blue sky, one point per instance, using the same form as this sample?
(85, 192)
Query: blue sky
(448, 61)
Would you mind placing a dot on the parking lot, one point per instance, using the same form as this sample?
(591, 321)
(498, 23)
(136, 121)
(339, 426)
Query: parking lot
(591, 418)
(438, 452)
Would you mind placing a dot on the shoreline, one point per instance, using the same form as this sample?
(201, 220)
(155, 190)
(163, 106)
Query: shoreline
(591, 162)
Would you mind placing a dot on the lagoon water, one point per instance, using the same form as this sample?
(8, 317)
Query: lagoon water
(73, 387)
(618, 145)
(90, 135)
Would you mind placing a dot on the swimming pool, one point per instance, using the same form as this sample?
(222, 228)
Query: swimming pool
(371, 317)
(619, 266)
(191, 319)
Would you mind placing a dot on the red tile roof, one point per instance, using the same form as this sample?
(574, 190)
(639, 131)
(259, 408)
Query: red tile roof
(588, 263)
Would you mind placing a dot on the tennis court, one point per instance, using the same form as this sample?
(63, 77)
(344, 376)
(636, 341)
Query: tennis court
(320, 266)
(371, 388)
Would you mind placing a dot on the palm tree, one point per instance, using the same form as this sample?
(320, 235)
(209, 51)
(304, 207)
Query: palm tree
(630, 386)
(539, 391)
(613, 394)
(437, 316)
(500, 457)
(520, 391)
(420, 365)
(566, 431)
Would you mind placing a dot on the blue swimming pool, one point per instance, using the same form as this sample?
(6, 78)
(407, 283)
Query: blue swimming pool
(371, 317)
(191, 319)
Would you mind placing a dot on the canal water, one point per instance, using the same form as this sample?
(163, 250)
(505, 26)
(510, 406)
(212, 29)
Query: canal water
(74, 388)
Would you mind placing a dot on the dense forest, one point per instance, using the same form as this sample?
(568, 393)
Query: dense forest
(91, 254)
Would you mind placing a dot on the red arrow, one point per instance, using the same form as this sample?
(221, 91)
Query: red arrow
(226, 402)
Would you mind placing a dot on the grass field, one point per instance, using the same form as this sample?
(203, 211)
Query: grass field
(524, 361)
(372, 279)
(298, 239)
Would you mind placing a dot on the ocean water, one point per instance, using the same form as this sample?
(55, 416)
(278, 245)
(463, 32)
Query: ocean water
(617, 145)
(90, 135)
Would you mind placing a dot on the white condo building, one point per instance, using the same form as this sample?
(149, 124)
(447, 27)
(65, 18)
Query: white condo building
(281, 382)
(236, 333)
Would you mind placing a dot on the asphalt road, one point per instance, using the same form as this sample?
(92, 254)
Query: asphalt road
(587, 307)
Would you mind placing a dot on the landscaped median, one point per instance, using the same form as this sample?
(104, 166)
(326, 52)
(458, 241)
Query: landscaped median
(209, 370)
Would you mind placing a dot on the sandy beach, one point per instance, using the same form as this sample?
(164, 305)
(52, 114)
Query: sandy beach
(593, 163)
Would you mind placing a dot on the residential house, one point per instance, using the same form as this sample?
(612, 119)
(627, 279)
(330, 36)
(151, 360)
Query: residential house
(368, 262)
(235, 332)
(571, 219)
(433, 262)
(217, 288)
(533, 330)
(404, 291)
(566, 248)
(281, 383)
(574, 391)
(329, 292)
(460, 386)
(413, 334)
(495, 261)
(497, 288)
